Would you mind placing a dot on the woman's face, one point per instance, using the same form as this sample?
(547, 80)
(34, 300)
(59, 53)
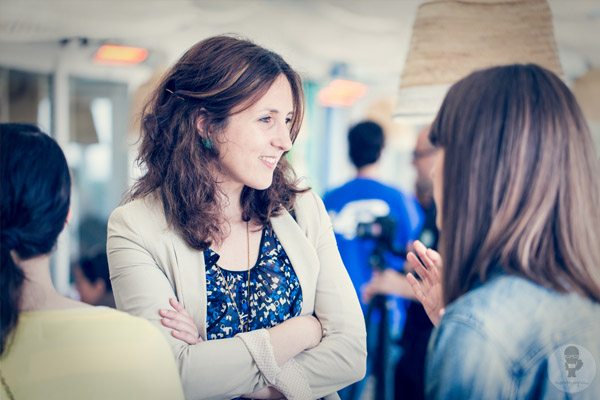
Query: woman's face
(256, 138)
(437, 175)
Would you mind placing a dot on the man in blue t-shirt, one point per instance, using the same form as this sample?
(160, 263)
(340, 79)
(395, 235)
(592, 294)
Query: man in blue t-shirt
(358, 209)
(365, 198)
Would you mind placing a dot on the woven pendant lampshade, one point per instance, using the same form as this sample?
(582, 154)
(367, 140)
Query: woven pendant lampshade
(587, 92)
(452, 38)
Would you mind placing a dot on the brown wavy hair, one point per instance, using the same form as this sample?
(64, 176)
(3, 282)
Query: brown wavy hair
(521, 186)
(214, 79)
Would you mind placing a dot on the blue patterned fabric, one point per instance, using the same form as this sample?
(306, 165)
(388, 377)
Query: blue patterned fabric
(275, 293)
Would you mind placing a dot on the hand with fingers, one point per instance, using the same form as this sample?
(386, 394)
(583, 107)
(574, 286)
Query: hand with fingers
(428, 290)
(181, 323)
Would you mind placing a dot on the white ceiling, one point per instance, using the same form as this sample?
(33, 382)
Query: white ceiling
(371, 37)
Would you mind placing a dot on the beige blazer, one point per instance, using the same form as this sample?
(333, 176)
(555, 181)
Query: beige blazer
(150, 263)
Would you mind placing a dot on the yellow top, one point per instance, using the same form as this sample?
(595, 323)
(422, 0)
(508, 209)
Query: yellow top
(88, 353)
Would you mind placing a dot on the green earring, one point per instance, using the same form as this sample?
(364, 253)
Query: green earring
(207, 143)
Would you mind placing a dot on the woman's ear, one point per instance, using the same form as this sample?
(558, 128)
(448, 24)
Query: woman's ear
(201, 127)
(203, 123)
(203, 131)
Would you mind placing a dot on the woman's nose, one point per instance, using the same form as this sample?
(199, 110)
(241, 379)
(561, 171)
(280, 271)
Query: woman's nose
(283, 139)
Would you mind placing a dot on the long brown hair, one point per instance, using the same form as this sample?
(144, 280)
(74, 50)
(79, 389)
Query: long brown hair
(214, 77)
(521, 187)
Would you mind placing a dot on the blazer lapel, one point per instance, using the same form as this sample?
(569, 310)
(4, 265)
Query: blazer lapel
(302, 255)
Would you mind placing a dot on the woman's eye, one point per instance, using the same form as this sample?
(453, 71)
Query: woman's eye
(288, 121)
(266, 119)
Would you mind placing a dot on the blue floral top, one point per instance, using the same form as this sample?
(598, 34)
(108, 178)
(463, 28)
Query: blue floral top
(275, 294)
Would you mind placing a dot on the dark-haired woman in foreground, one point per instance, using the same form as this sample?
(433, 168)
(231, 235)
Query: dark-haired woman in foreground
(518, 186)
(53, 347)
(221, 248)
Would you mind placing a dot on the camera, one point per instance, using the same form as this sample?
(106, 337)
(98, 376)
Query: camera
(383, 231)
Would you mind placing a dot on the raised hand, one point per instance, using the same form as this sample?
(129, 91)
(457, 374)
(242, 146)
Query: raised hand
(428, 290)
(181, 323)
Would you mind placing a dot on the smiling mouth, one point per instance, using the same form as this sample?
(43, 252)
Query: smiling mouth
(270, 162)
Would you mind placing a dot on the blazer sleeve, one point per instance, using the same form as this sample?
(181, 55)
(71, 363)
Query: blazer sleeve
(213, 369)
(340, 358)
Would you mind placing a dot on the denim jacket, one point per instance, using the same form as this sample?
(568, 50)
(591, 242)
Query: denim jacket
(512, 339)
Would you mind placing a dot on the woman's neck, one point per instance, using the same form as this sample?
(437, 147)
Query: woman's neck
(38, 292)
(230, 202)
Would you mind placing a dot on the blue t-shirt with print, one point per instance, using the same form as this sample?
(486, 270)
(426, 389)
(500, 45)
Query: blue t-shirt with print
(362, 200)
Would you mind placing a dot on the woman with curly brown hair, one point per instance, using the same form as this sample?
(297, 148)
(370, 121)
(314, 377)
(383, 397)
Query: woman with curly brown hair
(219, 246)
